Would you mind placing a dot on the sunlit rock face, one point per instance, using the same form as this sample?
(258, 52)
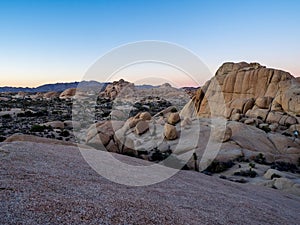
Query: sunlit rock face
(240, 87)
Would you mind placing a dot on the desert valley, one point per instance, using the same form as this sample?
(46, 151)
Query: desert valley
(232, 137)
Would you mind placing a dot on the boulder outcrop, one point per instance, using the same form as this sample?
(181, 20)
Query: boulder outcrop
(114, 89)
(251, 90)
(51, 95)
(68, 93)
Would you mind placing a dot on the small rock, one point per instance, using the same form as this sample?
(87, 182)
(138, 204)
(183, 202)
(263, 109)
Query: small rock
(112, 147)
(283, 183)
(99, 140)
(173, 118)
(145, 116)
(249, 121)
(186, 122)
(132, 122)
(170, 132)
(236, 117)
(55, 124)
(272, 173)
(69, 124)
(274, 126)
(141, 127)
(221, 134)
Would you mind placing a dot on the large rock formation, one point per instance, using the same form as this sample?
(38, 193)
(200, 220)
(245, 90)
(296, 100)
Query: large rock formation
(68, 93)
(114, 89)
(51, 95)
(251, 89)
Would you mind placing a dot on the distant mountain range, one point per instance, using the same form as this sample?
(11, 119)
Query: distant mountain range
(60, 87)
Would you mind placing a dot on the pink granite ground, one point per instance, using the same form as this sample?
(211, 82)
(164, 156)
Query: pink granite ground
(52, 184)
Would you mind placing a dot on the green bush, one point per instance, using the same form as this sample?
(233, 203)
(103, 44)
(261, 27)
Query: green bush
(173, 110)
(252, 165)
(38, 128)
(266, 129)
(260, 158)
(6, 116)
(65, 133)
(246, 173)
(218, 167)
(2, 138)
(285, 166)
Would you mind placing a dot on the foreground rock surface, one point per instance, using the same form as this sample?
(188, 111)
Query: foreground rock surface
(51, 184)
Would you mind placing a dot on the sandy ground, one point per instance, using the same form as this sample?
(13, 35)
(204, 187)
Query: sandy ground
(52, 184)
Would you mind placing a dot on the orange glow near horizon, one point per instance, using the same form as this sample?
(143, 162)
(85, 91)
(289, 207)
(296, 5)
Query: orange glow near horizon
(145, 73)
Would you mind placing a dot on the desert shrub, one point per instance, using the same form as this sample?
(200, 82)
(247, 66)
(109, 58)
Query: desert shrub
(242, 159)
(260, 158)
(21, 115)
(39, 128)
(246, 173)
(252, 165)
(6, 116)
(275, 176)
(218, 167)
(2, 139)
(286, 134)
(288, 125)
(28, 114)
(130, 153)
(65, 133)
(173, 110)
(266, 129)
(242, 180)
(284, 166)
(40, 113)
(223, 177)
(156, 155)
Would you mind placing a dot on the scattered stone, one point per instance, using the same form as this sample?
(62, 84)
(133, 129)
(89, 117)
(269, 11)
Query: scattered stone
(145, 116)
(250, 121)
(173, 118)
(55, 124)
(170, 132)
(272, 173)
(186, 122)
(221, 134)
(236, 117)
(141, 127)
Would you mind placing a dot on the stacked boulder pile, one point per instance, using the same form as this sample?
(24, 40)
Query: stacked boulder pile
(245, 113)
(140, 134)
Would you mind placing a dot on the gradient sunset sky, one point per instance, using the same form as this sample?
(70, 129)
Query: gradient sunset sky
(58, 40)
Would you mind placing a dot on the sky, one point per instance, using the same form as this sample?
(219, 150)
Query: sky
(49, 41)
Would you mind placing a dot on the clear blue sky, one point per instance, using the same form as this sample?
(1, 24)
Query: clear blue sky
(47, 41)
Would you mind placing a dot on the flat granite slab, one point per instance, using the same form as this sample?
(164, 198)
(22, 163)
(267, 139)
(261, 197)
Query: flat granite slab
(52, 184)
